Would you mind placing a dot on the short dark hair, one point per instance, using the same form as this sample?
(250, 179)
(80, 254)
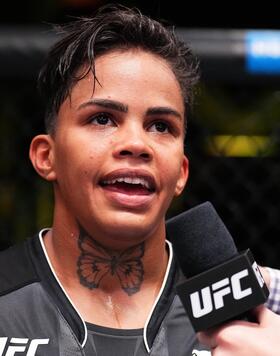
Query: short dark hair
(113, 27)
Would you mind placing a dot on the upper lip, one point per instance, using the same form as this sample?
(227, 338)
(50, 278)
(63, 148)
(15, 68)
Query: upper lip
(133, 176)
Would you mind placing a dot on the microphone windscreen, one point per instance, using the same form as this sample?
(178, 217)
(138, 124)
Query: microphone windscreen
(200, 239)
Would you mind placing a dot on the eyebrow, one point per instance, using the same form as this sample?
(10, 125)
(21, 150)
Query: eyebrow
(118, 106)
(163, 110)
(106, 104)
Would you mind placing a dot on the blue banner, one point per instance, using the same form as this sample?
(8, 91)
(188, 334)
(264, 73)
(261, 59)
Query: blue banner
(263, 52)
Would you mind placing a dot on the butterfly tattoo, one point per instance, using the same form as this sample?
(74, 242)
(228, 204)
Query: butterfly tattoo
(95, 262)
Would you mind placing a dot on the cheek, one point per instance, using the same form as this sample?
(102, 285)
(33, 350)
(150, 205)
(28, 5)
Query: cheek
(171, 170)
(70, 161)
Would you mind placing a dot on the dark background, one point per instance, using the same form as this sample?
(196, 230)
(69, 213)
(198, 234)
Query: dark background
(239, 175)
(181, 13)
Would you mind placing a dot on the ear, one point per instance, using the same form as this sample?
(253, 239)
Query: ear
(41, 154)
(184, 174)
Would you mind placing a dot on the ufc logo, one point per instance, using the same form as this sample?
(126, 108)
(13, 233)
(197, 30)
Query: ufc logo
(19, 345)
(213, 296)
(258, 274)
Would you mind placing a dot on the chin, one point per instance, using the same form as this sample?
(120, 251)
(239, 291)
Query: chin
(131, 227)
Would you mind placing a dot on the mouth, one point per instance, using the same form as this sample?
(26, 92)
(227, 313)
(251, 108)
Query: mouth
(129, 182)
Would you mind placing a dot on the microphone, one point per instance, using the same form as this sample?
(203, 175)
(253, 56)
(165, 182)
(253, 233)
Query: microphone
(221, 283)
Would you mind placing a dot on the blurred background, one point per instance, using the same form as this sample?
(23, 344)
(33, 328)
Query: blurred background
(233, 139)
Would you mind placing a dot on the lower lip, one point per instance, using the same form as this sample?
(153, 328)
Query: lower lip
(128, 199)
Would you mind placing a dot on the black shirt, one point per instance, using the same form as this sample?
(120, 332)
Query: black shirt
(38, 316)
(114, 342)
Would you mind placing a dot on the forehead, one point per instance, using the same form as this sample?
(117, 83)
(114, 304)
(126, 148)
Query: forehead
(131, 74)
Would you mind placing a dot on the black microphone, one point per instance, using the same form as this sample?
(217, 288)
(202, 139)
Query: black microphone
(221, 283)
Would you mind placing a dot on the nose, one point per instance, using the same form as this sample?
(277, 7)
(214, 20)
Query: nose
(133, 143)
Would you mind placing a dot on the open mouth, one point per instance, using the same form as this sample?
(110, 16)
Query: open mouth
(130, 183)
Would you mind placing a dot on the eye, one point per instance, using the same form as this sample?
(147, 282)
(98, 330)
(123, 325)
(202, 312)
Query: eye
(102, 119)
(160, 126)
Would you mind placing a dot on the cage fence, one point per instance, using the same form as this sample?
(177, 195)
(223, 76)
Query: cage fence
(232, 142)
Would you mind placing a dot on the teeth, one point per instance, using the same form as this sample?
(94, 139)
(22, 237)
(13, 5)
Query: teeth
(129, 180)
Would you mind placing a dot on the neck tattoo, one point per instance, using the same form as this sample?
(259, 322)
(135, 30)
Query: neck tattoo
(96, 262)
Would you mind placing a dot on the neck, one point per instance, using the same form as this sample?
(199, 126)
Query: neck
(95, 275)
